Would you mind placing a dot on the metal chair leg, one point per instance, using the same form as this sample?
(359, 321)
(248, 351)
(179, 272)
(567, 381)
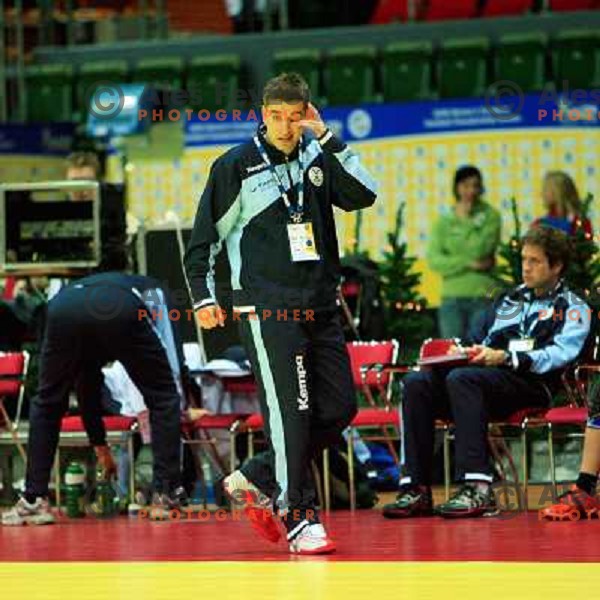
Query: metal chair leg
(250, 443)
(326, 480)
(525, 470)
(232, 456)
(447, 475)
(131, 458)
(552, 461)
(351, 490)
(57, 478)
(13, 431)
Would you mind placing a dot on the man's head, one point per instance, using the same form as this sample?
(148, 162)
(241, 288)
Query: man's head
(285, 102)
(82, 166)
(545, 257)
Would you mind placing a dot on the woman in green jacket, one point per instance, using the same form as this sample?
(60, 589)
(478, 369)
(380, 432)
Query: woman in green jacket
(462, 250)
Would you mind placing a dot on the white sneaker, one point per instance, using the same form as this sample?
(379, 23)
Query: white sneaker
(23, 513)
(243, 492)
(312, 540)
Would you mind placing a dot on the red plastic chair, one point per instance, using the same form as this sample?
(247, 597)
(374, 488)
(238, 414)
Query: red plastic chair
(388, 11)
(496, 8)
(13, 373)
(119, 431)
(576, 413)
(373, 367)
(442, 10)
(8, 292)
(198, 433)
(252, 424)
(570, 5)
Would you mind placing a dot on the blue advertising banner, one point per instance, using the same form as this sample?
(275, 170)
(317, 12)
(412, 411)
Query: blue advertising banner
(356, 123)
(376, 121)
(51, 139)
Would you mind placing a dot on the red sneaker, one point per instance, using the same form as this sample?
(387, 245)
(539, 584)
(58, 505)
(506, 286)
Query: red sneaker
(243, 493)
(574, 505)
(263, 522)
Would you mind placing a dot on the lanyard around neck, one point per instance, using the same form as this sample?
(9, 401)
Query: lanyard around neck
(296, 212)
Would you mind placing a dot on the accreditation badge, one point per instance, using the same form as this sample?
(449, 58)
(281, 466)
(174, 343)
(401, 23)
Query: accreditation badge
(521, 345)
(302, 242)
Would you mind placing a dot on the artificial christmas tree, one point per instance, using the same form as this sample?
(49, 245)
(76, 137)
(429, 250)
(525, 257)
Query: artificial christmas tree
(508, 271)
(584, 272)
(407, 318)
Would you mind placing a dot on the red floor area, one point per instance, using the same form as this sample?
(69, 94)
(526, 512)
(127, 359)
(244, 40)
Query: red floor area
(364, 536)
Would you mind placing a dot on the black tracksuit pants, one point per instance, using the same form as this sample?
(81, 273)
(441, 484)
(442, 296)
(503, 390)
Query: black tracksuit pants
(84, 331)
(307, 400)
(470, 397)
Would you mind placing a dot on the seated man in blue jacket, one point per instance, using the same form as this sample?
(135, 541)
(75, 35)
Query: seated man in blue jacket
(520, 350)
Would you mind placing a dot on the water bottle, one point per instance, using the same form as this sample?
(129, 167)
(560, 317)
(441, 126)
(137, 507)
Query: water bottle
(209, 485)
(104, 499)
(75, 490)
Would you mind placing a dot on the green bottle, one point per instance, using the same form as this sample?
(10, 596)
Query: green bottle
(103, 499)
(75, 490)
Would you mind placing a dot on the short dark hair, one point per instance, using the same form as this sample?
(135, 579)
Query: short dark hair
(84, 159)
(555, 243)
(286, 87)
(463, 173)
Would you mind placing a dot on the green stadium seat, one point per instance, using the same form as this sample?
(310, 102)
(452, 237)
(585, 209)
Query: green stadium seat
(350, 75)
(163, 72)
(462, 68)
(49, 93)
(576, 59)
(522, 59)
(92, 73)
(407, 71)
(305, 62)
(216, 80)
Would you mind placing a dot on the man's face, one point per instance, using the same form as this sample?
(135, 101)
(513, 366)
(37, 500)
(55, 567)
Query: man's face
(81, 174)
(281, 119)
(537, 272)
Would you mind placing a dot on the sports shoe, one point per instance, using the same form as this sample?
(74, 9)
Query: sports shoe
(469, 501)
(23, 513)
(243, 492)
(163, 504)
(412, 501)
(312, 540)
(256, 505)
(573, 505)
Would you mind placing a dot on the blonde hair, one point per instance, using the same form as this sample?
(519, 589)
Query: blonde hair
(565, 191)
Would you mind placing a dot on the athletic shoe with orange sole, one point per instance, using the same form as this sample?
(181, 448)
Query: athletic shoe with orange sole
(573, 505)
(256, 505)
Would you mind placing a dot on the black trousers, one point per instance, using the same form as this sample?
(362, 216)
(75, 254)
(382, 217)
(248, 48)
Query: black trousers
(307, 400)
(471, 397)
(85, 330)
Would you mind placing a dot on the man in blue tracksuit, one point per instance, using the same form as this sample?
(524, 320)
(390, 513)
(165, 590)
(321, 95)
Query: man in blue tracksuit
(96, 320)
(270, 202)
(520, 351)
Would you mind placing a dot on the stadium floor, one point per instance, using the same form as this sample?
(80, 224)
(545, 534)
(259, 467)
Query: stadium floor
(129, 558)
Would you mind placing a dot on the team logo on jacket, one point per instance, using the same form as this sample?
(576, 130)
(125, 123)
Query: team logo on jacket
(315, 174)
